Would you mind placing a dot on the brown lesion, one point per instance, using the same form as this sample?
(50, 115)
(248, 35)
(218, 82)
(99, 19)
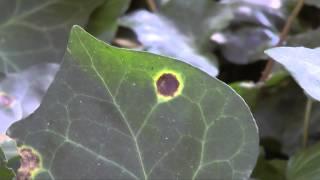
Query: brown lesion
(167, 84)
(30, 162)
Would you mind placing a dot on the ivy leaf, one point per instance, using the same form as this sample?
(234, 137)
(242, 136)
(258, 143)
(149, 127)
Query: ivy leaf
(305, 164)
(120, 114)
(184, 35)
(103, 22)
(37, 31)
(22, 92)
(277, 113)
(303, 64)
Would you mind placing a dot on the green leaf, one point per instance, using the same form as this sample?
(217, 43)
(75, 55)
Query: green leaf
(9, 148)
(120, 114)
(103, 22)
(250, 91)
(8, 154)
(184, 35)
(269, 169)
(5, 172)
(278, 115)
(303, 64)
(36, 31)
(305, 164)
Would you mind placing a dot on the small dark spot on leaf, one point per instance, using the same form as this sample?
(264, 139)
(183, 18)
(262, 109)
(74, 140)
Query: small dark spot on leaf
(30, 161)
(167, 84)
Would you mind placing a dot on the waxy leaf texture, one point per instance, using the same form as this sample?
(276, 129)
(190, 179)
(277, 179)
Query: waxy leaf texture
(106, 117)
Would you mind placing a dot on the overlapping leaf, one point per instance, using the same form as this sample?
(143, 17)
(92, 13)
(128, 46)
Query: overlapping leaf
(182, 29)
(36, 31)
(8, 158)
(278, 109)
(105, 118)
(253, 29)
(305, 164)
(103, 22)
(303, 64)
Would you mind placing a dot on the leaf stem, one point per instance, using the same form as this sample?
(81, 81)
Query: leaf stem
(152, 5)
(306, 121)
(283, 36)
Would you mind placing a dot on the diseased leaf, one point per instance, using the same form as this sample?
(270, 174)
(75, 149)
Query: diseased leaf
(22, 92)
(305, 164)
(103, 22)
(184, 35)
(303, 64)
(120, 114)
(36, 31)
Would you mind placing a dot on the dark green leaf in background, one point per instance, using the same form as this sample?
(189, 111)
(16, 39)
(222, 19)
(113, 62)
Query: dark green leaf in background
(36, 31)
(305, 164)
(103, 23)
(120, 114)
(269, 169)
(182, 29)
(278, 108)
(8, 156)
(5, 172)
(253, 29)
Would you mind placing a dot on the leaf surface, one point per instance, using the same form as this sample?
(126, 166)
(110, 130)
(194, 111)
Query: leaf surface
(8, 156)
(36, 31)
(103, 22)
(305, 164)
(120, 114)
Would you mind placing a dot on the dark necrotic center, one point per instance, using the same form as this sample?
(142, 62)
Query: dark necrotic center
(167, 84)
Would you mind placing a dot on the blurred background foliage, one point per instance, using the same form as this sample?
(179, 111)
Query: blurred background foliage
(224, 38)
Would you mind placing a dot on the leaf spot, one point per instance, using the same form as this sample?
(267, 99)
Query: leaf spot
(30, 163)
(167, 84)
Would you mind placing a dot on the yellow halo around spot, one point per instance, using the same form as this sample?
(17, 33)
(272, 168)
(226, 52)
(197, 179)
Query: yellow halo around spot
(38, 170)
(180, 78)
